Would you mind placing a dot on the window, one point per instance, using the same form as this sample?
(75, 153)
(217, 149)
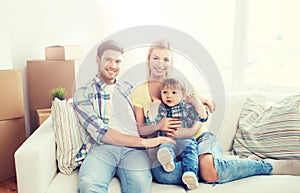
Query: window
(272, 59)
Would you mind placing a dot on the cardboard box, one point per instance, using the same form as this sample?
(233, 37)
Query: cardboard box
(11, 103)
(12, 134)
(63, 53)
(42, 77)
(42, 115)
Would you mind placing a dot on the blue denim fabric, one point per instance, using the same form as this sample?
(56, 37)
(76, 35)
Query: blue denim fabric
(187, 149)
(227, 169)
(104, 161)
(230, 169)
(163, 177)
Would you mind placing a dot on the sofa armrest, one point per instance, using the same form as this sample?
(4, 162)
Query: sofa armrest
(36, 161)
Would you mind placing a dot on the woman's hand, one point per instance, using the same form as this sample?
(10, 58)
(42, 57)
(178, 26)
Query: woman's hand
(185, 132)
(199, 107)
(193, 99)
(208, 104)
(170, 124)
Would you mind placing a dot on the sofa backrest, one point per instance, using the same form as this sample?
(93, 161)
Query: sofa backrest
(234, 103)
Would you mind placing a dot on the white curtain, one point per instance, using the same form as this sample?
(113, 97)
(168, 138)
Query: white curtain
(272, 63)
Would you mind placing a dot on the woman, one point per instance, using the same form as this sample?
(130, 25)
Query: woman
(213, 168)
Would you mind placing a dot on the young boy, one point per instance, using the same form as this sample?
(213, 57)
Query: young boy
(173, 105)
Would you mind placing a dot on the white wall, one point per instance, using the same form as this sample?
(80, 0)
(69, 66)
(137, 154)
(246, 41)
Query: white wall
(34, 24)
(5, 51)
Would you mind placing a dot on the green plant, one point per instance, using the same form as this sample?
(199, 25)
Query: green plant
(59, 93)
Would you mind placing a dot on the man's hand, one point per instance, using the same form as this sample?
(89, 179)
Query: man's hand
(154, 142)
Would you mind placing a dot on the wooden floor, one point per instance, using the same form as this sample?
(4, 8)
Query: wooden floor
(8, 186)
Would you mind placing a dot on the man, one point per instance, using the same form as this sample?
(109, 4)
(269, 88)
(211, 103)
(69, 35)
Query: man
(116, 149)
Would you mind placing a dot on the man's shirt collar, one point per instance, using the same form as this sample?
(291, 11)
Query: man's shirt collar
(100, 82)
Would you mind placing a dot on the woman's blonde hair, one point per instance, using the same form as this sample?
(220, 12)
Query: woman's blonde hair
(158, 44)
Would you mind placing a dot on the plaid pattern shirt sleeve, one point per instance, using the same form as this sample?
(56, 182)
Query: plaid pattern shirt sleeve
(89, 104)
(191, 112)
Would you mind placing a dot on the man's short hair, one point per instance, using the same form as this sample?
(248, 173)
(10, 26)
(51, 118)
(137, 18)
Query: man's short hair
(109, 45)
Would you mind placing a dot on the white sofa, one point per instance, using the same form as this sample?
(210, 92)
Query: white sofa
(37, 171)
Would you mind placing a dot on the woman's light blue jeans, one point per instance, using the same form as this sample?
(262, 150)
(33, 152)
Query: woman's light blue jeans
(227, 169)
(187, 149)
(104, 161)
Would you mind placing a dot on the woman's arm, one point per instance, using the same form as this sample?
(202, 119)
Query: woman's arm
(140, 120)
(165, 124)
(185, 132)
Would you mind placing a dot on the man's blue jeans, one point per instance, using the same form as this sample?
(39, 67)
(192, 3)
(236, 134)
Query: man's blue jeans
(227, 169)
(187, 149)
(104, 161)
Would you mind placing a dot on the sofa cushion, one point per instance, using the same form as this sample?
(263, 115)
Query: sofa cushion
(254, 184)
(69, 136)
(272, 132)
(233, 105)
(64, 183)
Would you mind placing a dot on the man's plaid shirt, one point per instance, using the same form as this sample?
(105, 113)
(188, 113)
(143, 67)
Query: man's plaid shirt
(90, 104)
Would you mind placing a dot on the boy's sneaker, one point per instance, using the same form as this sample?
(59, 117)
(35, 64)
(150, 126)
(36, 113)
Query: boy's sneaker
(190, 180)
(165, 158)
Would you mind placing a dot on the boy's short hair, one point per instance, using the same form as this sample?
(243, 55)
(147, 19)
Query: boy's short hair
(173, 84)
(109, 45)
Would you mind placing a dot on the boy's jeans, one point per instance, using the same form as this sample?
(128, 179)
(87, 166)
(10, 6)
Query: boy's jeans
(187, 149)
(227, 169)
(104, 161)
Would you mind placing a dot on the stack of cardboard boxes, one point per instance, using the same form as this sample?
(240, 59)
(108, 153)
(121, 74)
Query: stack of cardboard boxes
(12, 122)
(57, 70)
